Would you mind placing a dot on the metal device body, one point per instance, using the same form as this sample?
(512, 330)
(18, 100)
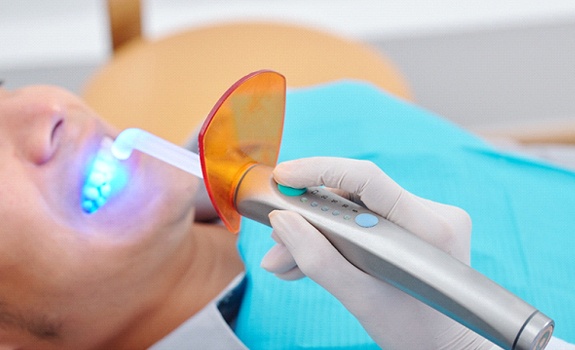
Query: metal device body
(394, 255)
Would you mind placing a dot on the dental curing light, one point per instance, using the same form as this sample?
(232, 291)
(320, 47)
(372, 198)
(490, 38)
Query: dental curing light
(239, 144)
(143, 141)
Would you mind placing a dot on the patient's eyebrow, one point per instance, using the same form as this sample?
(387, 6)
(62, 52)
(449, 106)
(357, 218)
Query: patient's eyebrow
(38, 326)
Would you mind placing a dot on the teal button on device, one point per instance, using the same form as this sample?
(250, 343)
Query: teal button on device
(290, 191)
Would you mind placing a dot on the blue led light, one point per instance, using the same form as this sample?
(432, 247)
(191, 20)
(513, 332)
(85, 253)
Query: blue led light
(105, 177)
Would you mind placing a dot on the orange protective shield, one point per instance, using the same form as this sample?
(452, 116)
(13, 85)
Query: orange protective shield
(244, 128)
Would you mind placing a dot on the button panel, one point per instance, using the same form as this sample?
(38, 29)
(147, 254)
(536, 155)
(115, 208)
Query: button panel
(336, 207)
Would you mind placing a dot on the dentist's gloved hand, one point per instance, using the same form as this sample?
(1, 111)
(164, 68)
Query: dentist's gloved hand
(392, 318)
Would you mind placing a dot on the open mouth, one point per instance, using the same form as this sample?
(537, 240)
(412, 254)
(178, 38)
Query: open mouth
(105, 177)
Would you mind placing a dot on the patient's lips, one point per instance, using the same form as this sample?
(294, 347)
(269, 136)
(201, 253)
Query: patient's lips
(105, 177)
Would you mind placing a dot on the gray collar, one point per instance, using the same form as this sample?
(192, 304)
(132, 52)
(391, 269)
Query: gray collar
(208, 329)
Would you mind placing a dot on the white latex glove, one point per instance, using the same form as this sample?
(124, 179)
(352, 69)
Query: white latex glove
(392, 318)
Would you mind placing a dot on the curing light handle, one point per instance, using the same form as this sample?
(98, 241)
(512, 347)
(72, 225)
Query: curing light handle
(390, 253)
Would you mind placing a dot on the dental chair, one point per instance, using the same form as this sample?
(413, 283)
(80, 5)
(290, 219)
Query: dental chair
(181, 76)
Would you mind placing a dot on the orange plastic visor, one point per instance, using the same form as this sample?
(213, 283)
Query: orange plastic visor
(244, 128)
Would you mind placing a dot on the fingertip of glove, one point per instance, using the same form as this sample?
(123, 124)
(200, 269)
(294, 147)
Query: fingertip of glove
(287, 225)
(278, 220)
(292, 172)
(282, 173)
(269, 261)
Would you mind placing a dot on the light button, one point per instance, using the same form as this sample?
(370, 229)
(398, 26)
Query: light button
(366, 220)
(290, 191)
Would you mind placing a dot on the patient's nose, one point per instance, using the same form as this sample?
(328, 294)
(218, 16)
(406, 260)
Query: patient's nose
(29, 121)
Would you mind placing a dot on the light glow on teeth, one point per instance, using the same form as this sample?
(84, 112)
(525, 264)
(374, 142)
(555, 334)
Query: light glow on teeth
(105, 177)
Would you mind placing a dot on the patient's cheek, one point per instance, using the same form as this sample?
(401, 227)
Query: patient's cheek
(150, 204)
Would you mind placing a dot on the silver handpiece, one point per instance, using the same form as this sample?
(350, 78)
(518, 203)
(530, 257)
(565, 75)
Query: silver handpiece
(392, 254)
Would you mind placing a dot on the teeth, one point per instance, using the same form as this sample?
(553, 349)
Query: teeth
(102, 178)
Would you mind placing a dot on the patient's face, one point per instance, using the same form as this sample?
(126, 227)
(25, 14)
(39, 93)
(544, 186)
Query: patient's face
(58, 263)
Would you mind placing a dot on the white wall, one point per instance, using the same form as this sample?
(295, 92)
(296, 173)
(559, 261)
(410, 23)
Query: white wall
(39, 32)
